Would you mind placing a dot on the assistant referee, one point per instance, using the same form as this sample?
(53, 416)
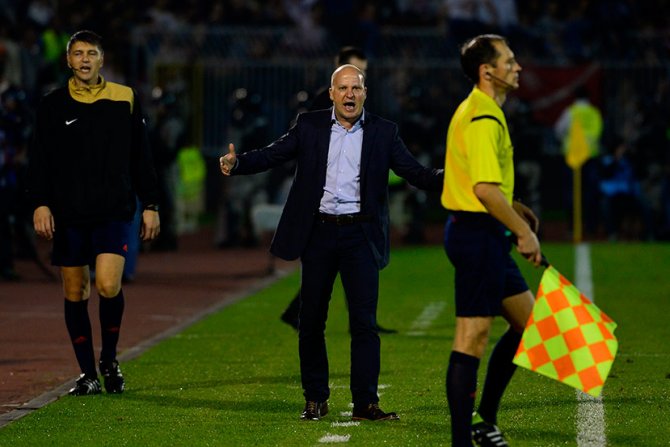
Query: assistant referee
(478, 191)
(88, 163)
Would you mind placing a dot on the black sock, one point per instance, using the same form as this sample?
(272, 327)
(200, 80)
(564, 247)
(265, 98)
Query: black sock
(79, 327)
(111, 312)
(461, 390)
(499, 373)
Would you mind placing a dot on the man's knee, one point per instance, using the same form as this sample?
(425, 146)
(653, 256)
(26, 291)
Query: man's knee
(472, 335)
(76, 283)
(107, 287)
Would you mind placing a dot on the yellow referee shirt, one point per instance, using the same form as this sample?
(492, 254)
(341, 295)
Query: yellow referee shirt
(479, 150)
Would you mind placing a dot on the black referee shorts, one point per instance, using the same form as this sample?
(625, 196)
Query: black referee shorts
(485, 273)
(79, 245)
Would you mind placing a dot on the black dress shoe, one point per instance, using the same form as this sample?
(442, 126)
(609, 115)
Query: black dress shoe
(314, 410)
(291, 315)
(290, 320)
(372, 412)
(383, 330)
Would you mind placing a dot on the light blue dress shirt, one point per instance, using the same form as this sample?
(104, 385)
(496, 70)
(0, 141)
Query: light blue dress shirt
(342, 191)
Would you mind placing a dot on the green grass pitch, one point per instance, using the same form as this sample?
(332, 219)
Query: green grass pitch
(233, 379)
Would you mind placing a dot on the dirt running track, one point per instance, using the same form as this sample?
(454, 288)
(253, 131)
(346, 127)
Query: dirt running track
(171, 290)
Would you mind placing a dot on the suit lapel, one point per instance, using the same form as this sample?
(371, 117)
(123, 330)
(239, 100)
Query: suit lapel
(322, 146)
(369, 135)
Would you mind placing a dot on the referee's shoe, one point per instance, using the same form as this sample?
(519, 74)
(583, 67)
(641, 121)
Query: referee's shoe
(111, 374)
(86, 385)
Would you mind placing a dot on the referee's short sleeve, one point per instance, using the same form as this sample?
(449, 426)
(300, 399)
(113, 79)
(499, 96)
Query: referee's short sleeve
(482, 140)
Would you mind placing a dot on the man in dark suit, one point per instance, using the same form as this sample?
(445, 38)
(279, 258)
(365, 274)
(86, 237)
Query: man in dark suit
(356, 57)
(336, 220)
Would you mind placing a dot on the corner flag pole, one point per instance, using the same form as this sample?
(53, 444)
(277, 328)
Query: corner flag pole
(577, 205)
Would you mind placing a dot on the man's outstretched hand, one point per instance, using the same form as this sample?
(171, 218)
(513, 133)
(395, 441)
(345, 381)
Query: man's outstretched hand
(227, 162)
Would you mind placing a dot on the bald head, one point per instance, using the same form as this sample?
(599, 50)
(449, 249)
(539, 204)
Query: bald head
(348, 69)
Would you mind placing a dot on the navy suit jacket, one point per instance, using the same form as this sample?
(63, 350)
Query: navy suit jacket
(307, 142)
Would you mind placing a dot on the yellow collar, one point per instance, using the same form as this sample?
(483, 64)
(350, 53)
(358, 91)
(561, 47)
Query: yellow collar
(82, 93)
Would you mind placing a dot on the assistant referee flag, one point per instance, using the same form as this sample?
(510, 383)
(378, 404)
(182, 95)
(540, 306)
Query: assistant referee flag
(567, 337)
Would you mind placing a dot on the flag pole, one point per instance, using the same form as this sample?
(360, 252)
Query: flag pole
(577, 205)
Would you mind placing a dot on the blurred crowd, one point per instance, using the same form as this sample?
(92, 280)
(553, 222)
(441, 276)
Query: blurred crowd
(33, 31)
(633, 165)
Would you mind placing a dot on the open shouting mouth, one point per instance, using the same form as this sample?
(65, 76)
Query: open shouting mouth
(349, 106)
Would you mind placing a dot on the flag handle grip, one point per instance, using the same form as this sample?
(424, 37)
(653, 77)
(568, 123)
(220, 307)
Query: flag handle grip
(544, 263)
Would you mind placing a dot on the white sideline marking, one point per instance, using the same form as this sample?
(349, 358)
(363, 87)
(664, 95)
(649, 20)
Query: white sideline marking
(426, 318)
(381, 386)
(590, 421)
(334, 439)
(583, 276)
(346, 424)
(590, 410)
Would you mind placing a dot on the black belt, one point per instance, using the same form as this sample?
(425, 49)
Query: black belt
(478, 220)
(344, 219)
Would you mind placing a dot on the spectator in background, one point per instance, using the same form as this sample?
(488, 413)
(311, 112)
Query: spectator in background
(463, 20)
(53, 39)
(422, 120)
(248, 127)
(549, 26)
(15, 124)
(499, 15)
(584, 114)
(577, 33)
(41, 12)
(12, 70)
(623, 206)
(307, 35)
(649, 156)
(167, 137)
(527, 138)
(8, 201)
(30, 53)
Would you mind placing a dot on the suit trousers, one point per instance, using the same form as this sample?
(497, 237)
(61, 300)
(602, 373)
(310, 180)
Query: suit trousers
(342, 249)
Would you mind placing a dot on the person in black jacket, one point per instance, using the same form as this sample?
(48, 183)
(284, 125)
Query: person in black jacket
(88, 163)
(356, 57)
(336, 220)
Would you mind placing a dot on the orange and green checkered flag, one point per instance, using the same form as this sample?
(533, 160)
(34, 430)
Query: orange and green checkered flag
(567, 337)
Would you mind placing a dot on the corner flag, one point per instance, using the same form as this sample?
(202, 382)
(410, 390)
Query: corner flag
(578, 151)
(567, 337)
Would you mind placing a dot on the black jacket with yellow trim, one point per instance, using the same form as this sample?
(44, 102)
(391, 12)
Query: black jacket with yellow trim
(90, 156)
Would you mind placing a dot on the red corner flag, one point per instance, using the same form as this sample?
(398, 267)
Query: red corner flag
(567, 337)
